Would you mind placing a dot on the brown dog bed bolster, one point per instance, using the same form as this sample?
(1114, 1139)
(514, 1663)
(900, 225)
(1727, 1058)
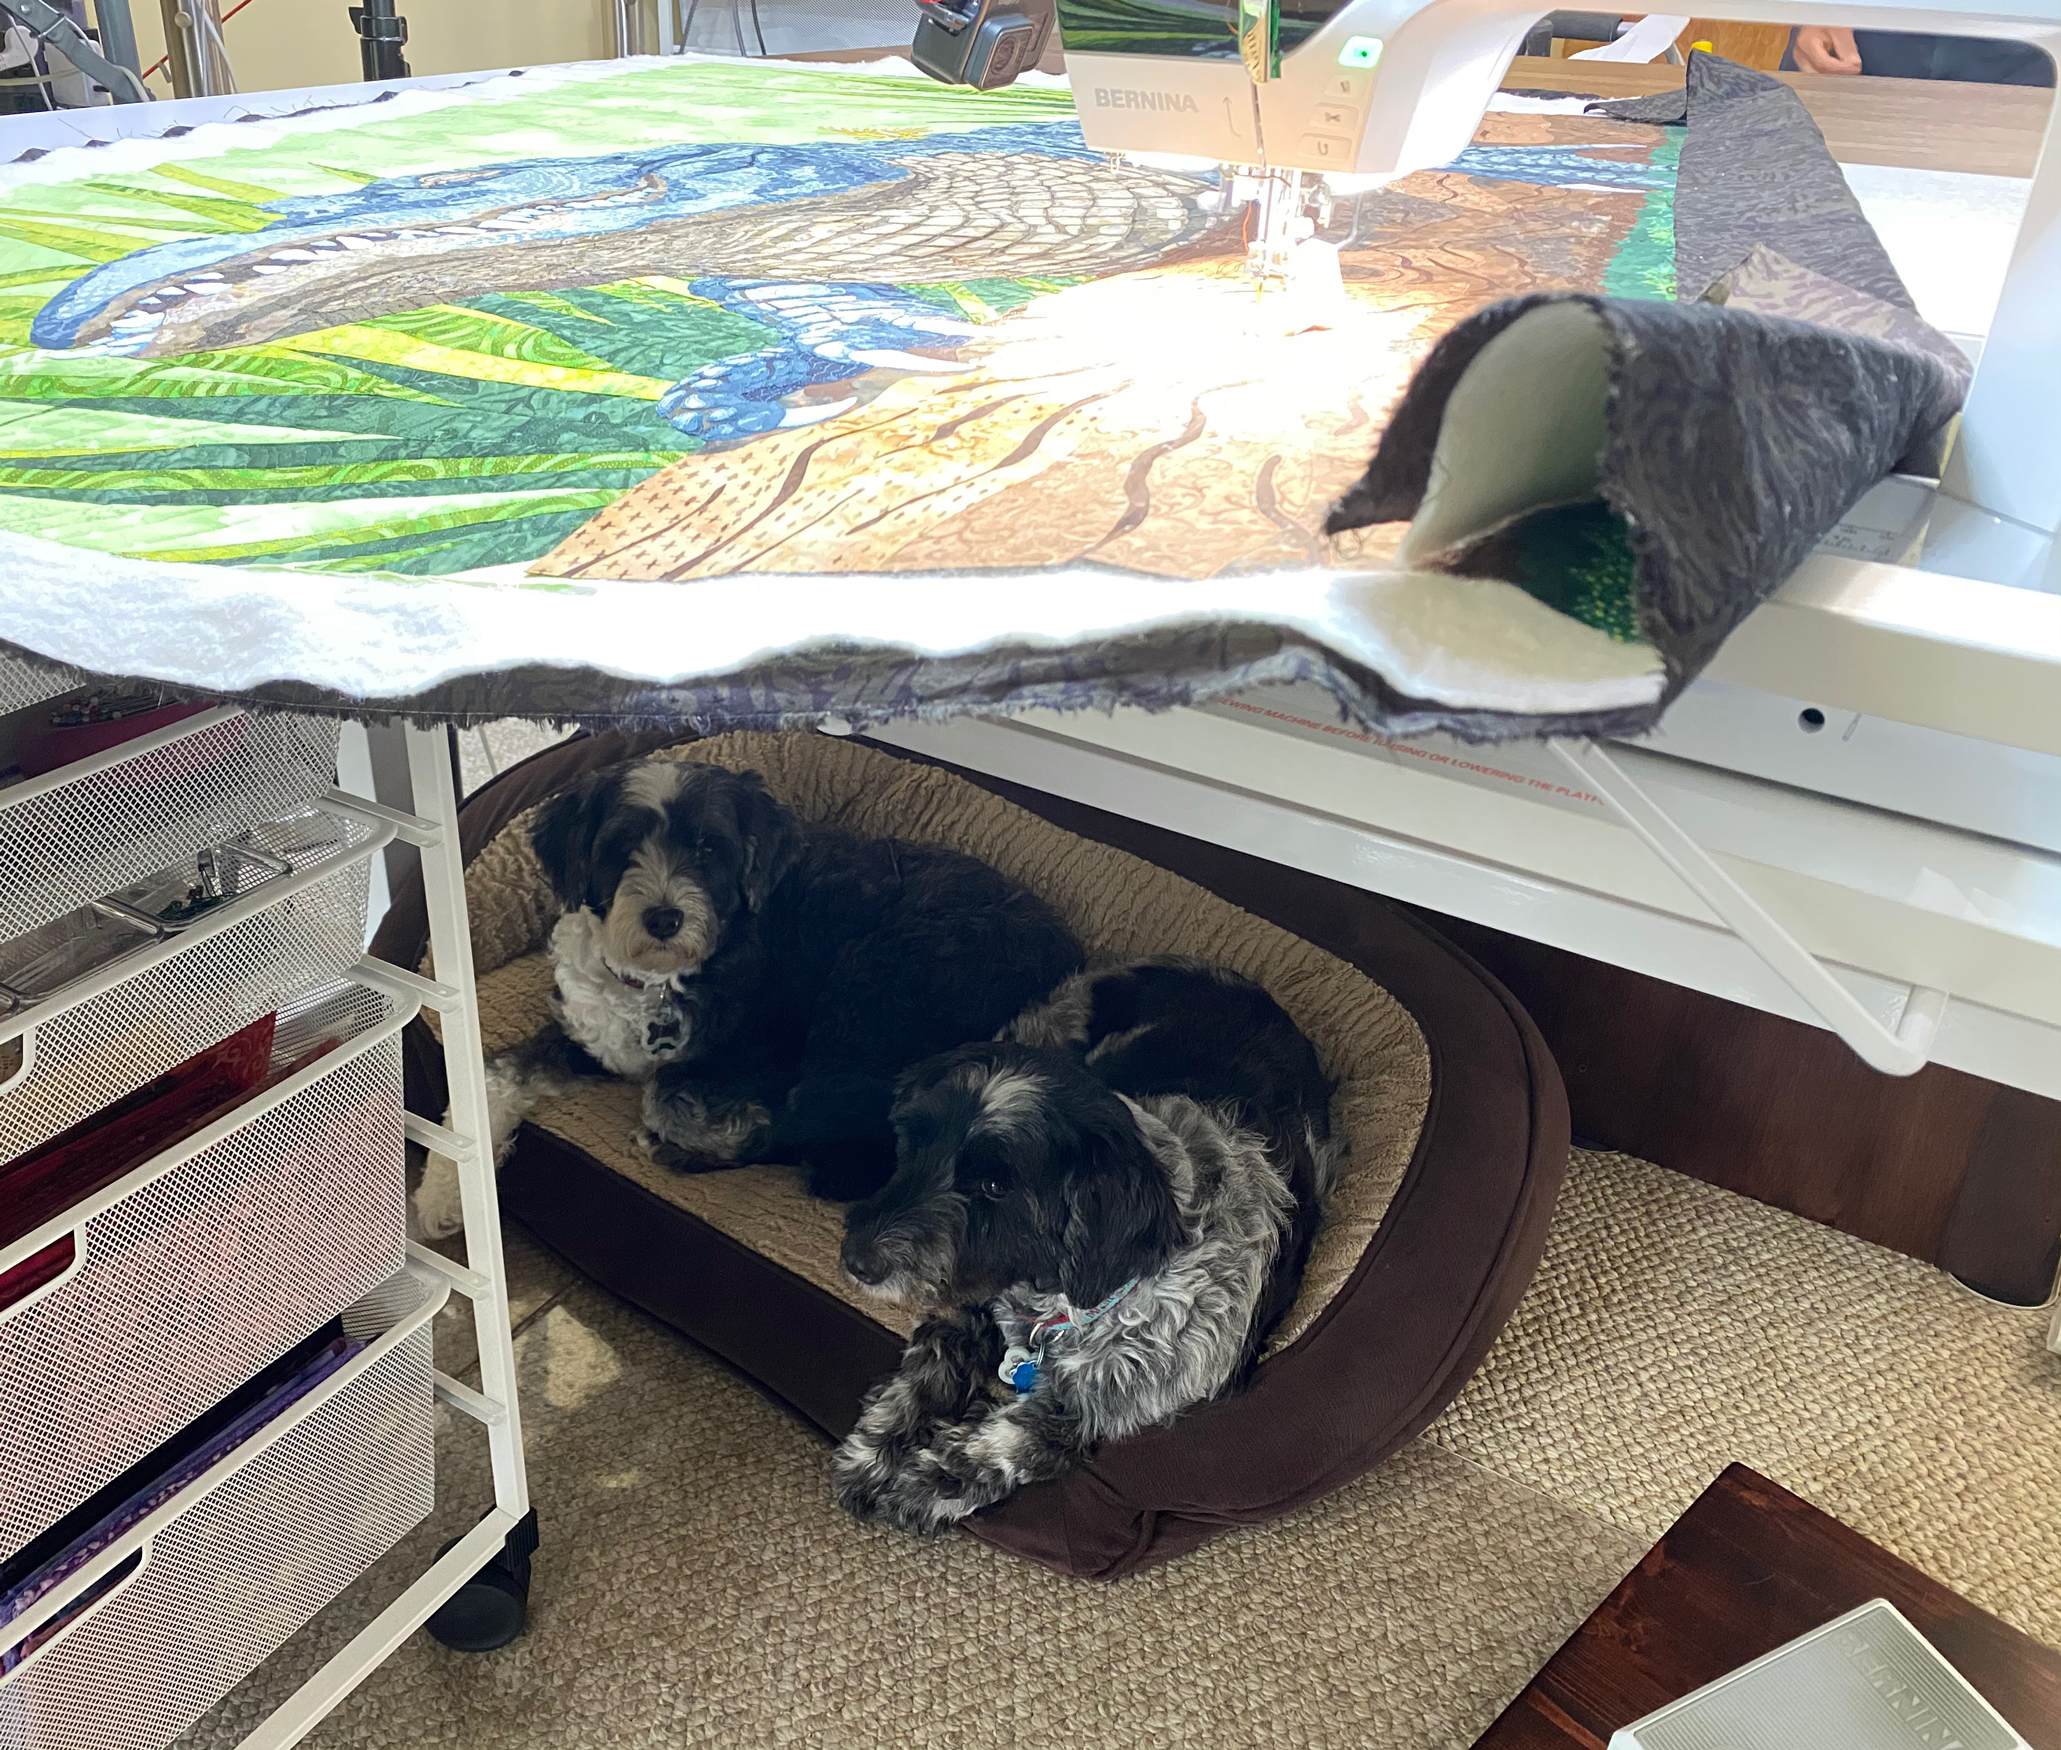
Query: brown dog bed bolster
(1455, 1107)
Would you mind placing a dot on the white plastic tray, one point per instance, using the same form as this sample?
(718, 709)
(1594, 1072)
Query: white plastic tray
(109, 1033)
(82, 831)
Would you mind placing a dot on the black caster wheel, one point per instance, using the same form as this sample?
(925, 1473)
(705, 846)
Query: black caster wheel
(493, 1607)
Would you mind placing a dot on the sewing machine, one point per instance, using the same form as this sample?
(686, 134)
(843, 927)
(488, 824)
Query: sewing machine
(1857, 812)
(1280, 89)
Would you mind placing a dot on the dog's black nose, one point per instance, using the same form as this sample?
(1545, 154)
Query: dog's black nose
(662, 922)
(864, 1269)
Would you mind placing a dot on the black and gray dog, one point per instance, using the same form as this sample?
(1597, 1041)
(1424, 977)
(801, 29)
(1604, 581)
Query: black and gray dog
(766, 979)
(1117, 1200)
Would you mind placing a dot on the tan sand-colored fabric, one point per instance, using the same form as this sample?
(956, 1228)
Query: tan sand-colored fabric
(1120, 906)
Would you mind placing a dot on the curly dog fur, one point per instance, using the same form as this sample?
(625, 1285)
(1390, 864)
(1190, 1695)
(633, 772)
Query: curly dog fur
(1119, 1196)
(766, 979)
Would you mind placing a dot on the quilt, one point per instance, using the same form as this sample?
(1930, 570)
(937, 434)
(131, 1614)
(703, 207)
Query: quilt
(914, 402)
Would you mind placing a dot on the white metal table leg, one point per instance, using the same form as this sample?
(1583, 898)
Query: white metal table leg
(450, 937)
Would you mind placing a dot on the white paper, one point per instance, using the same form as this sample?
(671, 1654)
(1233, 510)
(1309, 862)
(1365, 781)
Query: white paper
(1646, 41)
(1883, 525)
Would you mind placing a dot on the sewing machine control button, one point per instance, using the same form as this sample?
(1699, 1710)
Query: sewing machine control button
(1327, 148)
(1344, 87)
(1335, 118)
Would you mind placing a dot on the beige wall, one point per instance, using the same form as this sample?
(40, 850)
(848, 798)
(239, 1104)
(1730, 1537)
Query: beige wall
(276, 43)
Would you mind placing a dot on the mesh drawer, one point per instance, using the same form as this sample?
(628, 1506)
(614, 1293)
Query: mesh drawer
(23, 684)
(83, 1058)
(67, 845)
(242, 1561)
(190, 1285)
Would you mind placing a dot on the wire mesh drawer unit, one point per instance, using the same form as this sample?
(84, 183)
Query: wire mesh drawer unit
(203, 1265)
(233, 1564)
(107, 1035)
(69, 839)
(26, 683)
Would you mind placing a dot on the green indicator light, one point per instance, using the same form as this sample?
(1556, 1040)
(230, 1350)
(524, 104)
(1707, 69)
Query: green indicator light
(1360, 51)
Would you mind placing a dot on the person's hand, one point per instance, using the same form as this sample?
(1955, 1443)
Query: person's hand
(1822, 50)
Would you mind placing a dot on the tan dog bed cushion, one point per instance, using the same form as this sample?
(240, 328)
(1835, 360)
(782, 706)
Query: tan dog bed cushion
(746, 1261)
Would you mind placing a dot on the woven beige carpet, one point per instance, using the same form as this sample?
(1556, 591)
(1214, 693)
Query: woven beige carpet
(696, 1588)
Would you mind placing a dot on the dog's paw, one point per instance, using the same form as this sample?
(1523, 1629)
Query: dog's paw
(439, 1201)
(956, 1353)
(912, 1495)
(859, 1476)
(923, 1497)
(676, 1159)
(692, 1134)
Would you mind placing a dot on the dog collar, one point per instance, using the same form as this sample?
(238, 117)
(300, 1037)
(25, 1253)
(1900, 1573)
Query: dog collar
(1022, 1361)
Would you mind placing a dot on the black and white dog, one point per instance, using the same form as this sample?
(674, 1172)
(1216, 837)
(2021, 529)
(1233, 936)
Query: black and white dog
(767, 980)
(1117, 1199)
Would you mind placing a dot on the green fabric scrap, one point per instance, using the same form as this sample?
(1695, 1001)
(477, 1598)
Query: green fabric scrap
(240, 191)
(1576, 558)
(1644, 265)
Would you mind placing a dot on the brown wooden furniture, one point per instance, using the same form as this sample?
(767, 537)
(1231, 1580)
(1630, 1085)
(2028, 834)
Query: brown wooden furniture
(1751, 45)
(1926, 124)
(1746, 1569)
(1943, 1166)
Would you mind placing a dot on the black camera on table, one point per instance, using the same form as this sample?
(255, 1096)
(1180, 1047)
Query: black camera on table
(982, 43)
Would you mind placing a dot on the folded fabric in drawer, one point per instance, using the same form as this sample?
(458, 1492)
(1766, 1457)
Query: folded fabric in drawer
(46, 1182)
(72, 1165)
(191, 1598)
(93, 1527)
(203, 1265)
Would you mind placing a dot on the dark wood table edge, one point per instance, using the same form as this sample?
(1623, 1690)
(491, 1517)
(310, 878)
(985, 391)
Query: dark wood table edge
(1741, 1517)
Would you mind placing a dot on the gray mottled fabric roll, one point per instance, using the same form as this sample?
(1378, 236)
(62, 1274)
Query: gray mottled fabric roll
(1758, 173)
(1734, 442)
(1730, 430)
(1770, 284)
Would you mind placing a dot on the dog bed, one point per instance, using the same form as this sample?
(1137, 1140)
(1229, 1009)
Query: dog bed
(1452, 1107)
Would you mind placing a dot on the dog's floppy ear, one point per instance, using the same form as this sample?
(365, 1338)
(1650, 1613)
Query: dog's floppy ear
(770, 838)
(564, 832)
(1121, 1220)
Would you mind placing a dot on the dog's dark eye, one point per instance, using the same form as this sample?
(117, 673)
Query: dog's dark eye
(992, 1189)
